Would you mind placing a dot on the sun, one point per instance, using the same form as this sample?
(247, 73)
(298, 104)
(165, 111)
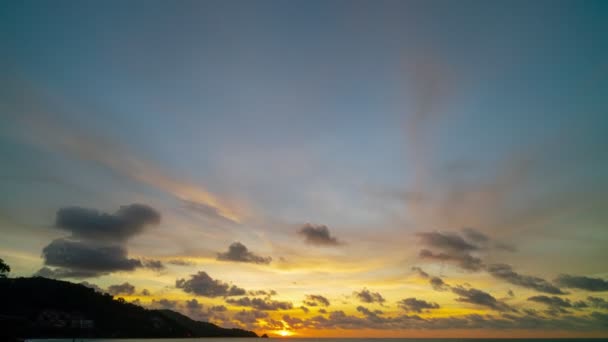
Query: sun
(284, 333)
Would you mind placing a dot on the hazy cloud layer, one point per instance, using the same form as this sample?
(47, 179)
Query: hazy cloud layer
(239, 253)
(203, 285)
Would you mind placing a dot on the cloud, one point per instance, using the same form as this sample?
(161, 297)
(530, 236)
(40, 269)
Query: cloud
(155, 265)
(551, 301)
(316, 300)
(416, 305)
(582, 282)
(145, 292)
(89, 224)
(464, 260)
(478, 297)
(475, 235)
(250, 316)
(266, 293)
(193, 304)
(420, 272)
(260, 304)
(180, 262)
(97, 244)
(438, 284)
(163, 304)
(598, 303)
(203, 285)
(446, 241)
(318, 235)
(239, 253)
(91, 286)
(124, 289)
(305, 309)
(366, 296)
(506, 273)
(77, 259)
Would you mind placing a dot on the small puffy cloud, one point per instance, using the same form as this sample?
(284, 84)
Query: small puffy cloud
(260, 304)
(155, 265)
(318, 235)
(438, 284)
(582, 282)
(239, 253)
(163, 304)
(316, 300)
(478, 297)
(416, 305)
(203, 285)
(90, 224)
(506, 273)
(121, 289)
(193, 304)
(305, 309)
(145, 292)
(265, 293)
(366, 296)
(475, 235)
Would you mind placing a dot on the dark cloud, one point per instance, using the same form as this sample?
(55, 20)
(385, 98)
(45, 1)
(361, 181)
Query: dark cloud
(598, 303)
(323, 311)
(478, 297)
(582, 282)
(77, 259)
(266, 293)
(416, 305)
(305, 309)
(464, 260)
(145, 292)
(203, 285)
(239, 253)
(447, 241)
(193, 304)
(505, 246)
(316, 300)
(506, 273)
(97, 244)
(438, 284)
(551, 301)
(60, 273)
(420, 272)
(121, 289)
(249, 317)
(90, 224)
(155, 265)
(163, 304)
(260, 304)
(91, 286)
(318, 235)
(511, 293)
(366, 296)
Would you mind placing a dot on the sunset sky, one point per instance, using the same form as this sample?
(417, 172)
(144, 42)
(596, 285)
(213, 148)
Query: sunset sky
(314, 168)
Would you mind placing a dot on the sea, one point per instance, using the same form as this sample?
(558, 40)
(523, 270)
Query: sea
(229, 339)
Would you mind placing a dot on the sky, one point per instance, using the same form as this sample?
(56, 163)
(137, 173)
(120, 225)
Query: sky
(314, 168)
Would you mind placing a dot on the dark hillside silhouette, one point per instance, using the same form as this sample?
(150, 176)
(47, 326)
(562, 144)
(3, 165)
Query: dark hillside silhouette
(44, 308)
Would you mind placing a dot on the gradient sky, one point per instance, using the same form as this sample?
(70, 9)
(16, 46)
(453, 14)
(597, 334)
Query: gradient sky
(388, 168)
